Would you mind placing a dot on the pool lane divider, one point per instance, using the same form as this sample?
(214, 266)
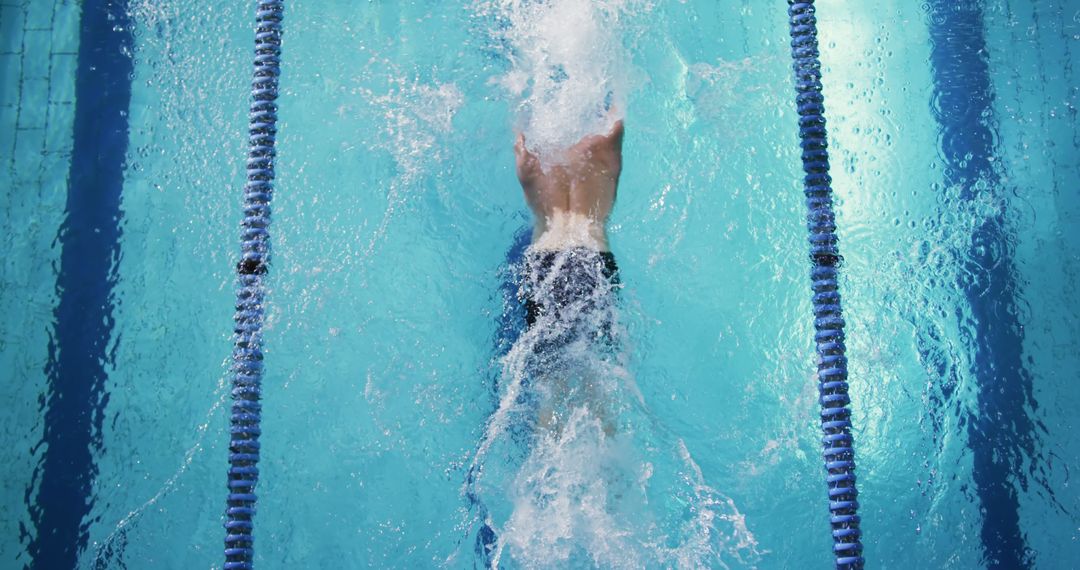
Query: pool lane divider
(1001, 431)
(832, 374)
(247, 369)
(82, 345)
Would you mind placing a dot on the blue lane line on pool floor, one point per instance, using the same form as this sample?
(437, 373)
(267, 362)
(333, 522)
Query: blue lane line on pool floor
(79, 348)
(1001, 432)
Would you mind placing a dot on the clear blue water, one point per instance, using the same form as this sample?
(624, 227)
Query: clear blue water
(395, 210)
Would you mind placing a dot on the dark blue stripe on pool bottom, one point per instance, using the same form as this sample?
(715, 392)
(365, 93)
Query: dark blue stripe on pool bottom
(89, 238)
(1001, 432)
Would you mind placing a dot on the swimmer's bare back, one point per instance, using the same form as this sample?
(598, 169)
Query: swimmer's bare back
(573, 197)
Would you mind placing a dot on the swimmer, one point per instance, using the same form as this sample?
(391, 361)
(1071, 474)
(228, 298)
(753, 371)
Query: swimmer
(570, 272)
(573, 198)
(569, 283)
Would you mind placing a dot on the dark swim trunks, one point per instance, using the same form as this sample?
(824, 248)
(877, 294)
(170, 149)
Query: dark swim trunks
(568, 284)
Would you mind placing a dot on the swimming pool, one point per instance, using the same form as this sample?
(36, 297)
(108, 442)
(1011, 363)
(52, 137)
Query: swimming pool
(955, 174)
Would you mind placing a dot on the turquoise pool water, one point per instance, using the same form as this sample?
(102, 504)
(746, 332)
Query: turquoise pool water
(395, 210)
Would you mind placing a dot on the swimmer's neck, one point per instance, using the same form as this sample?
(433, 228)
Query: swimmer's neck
(562, 230)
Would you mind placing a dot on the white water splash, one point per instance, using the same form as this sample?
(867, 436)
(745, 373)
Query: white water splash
(415, 116)
(573, 470)
(577, 498)
(568, 66)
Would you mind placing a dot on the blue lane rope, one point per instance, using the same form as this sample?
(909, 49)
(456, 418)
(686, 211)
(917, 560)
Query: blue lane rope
(839, 452)
(251, 272)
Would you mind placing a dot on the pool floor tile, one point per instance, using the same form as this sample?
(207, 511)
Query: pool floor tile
(33, 103)
(29, 146)
(62, 78)
(36, 47)
(65, 29)
(39, 15)
(11, 28)
(10, 71)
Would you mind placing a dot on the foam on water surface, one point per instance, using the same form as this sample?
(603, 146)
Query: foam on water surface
(569, 70)
(573, 470)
